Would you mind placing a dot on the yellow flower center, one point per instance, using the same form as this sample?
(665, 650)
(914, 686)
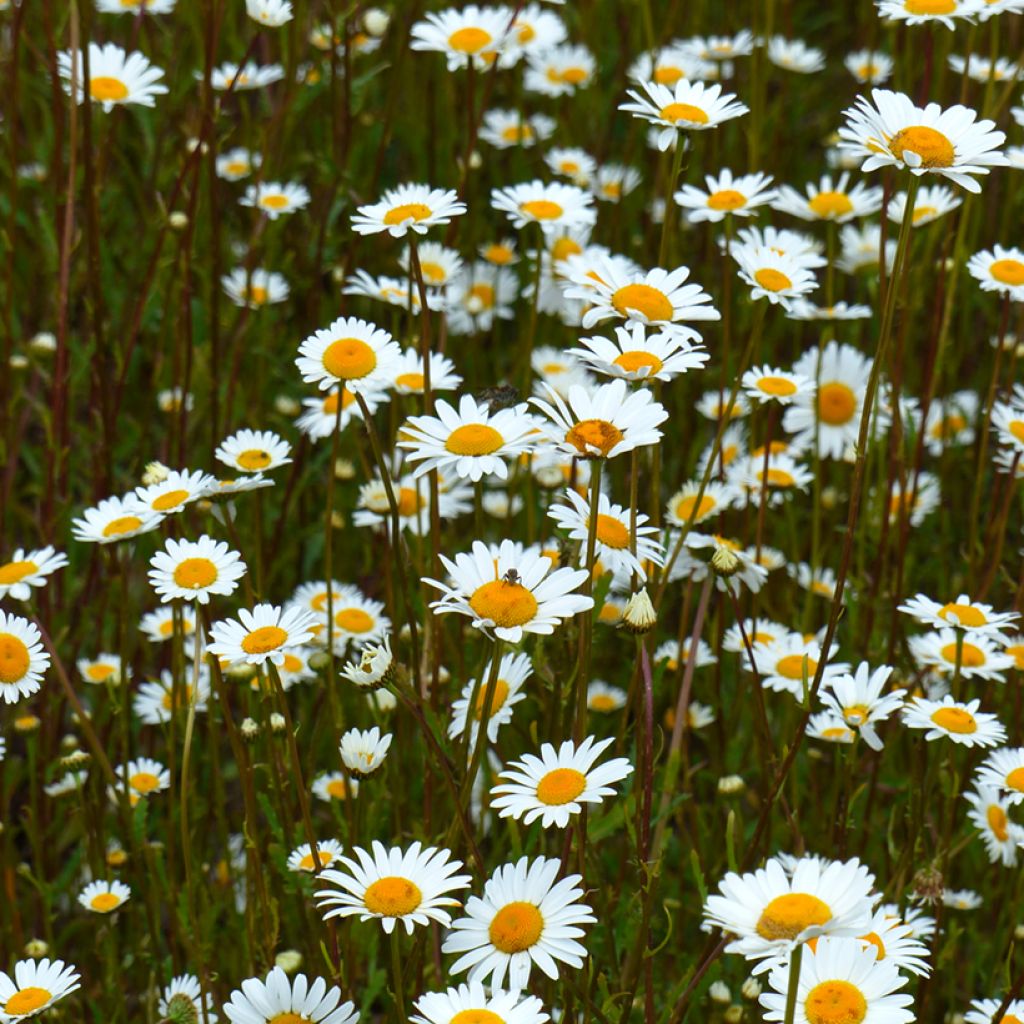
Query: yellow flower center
(856, 714)
(829, 205)
(561, 786)
(354, 620)
(168, 702)
(257, 294)
(104, 902)
(477, 1016)
(612, 532)
(1009, 272)
(970, 656)
(772, 280)
(407, 211)
(836, 403)
(170, 500)
(237, 167)
(934, 149)
(788, 915)
(306, 864)
(121, 525)
(1017, 429)
(254, 459)
(835, 1002)
(497, 700)
(14, 658)
(349, 359)
(274, 201)
(517, 926)
(144, 782)
(963, 615)
(778, 478)
(1015, 779)
(288, 1018)
(726, 199)
(393, 896)
(564, 248)
(541, 209)
(484, 295)
(667, 75)
(573, 76)
(433, 272)
(474, 439)
(14, 572)
(338, 789)
(875, 940)
(101, 671)
(599, 434)
(469, 39)
(997, 821)
(263, 640)
(409, 381)
(27, 1000)
(650, 302)
(929, 6)
(924, 212)
(687, 112)
(517, 133)
(684, 507)
(503, 603)
(330, 406)
(526, 33)
(105, 89)
(633, 362)
(195, 573)
(408, 502)
(955, 720)
(792, 666)
(602, 702)
(778, 387)
(500, 254)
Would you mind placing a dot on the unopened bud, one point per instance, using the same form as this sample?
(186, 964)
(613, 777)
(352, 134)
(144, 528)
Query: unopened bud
(289, 960)
(277, 723)
(733, 1015)
(178, 220)
(154, 473)
(719, 993)
(287, 406)
(344, 469)
(43, 343)
(18, 361)
(724, 562)
(249, 730)
(729, 785)
(639, 616)
(36, 949)
(751, 989)
(376, 21)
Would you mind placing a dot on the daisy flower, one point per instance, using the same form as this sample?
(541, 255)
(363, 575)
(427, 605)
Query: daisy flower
(395, 291)
(695, 562)
(321, 414)
(895, 132)
(393, 886)
(771, 911)
(794, 55)
(356, 617)
(775, 276)
(725, 194)
(363, 751)
(277, 999)
(682, 508)
(116, 77)
(988, 814)
(193, 570)
(438, 264)
(983, 70)
(961, 899)
(667, 65)
(22, 658)
(973, 617)
(351, 352)
(602, 422)
(143, 777)
(104, 668)
(155, 702)
(573, 163)
(276, 198)
(36, 986)
(480, 294)
(636, 355)
(114, 519)
(962, 723)
(767, 384)
(240, 79)
(984, 1011)
(922, 12)
(951, 421)
(999, 270)
(477, 34)
(472, 441)
(272, 13)
(781, 664)
(504, 129)
(524, 918)
(1008, 424)
(859, 249)
(252, 451)
(830, 201)
(335, 786)
(790, 243)
(554, 206)
(235, 164)
(1004, 770)
(178, 489)
(470, 1002)
(406, 376)
(302, 859)
(858, 699)
(869, 67)
(264, 633)
(554, 786)
(513, 671)
(255, 288)
(614, 181)
(28, 569)
(560, 70)
(979, 655)
(104, 897)
(895, 942)
(182, 999)
(829, 728)
(721, 48)
(840, 981)
(537, 29)
(686, 106)
(603, 698)
(802, 309)
(408, 207)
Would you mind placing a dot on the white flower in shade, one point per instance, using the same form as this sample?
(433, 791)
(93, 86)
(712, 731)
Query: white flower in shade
(869, 67)
(237, 163)
(321, 414)
(477, 34)
(255, 288)
(363, 751)
(22, 658)
(253, 451)
(802, 309)
(973, 617)
(510, 593)
(104, 897)
(407, 378)
(275, 198)
(395, 291)
(471, 440)
(556, 785)
(830, 728)
(272, 13)
(858, 700)
(178, 489)
(988, 814)
(182, 999)
(686, 106)
(156, 702)
(961, 899)
(669, 64)
(393, 886)
(408, 208)
(962, 723)
(999, 270)
(335, 786)
(830, 201)
(573, 163)
(767, 384)
(950, 421)
(143, 777)
(1008, 424)
(36, 986)
(614, 181)
(603, 698)
(504, 129)
(1004, 770)
(241, 79)
(554, 206)
(438, 264)
(924, 12)
(725, 194)
(602, 422)
(524, 918)
(277, 1000)
(104, 668)
(895, 133)
(771, 911)
(114, 519)
(979, 654)
(263, 634)
(28, 569)
(302, 859)
(984, 1011)
(480, 294)
(513, 672)
(356, 618)
(784, 664)
(560, 71)
(613, 533)
(637, 356)
(352, 352)
(778, 277)
(683, 508)
(467, 1003)
(840, 981)
(193, 570)
(794, 55)
(982, 70)
(116, 77)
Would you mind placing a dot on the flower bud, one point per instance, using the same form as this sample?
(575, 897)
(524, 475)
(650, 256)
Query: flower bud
(154, 473)
(36, 949)
(719, 993)
(751, 989)
(724, 562)
(249, 730)
(729, 785)
(639, 616)
(289, 960)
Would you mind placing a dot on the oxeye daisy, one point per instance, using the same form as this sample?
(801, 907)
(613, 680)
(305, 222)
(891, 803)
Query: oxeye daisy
(36, 986)
(501, 253)
(638, 356)
(560, 70)
(356, 617)
(252, 451)
(524, 918)
(104, 668)
(775, 276)
(395, 291)
(973, 617)
(22, 658)
(321, 414)
(613, 532)
(374, 668)
(393, 886)
(764, 631)
(683, 508)
(604, 698)
(767, 384)
(273, 13)
(115, 519)
(262, 634)
(252, 482)
(894, 132)
(983, 70)
(701, 548)
(999, 270)
(686, 106)
(471, 1003)
(554, 206)
(721, 48)
(156, 702)
(988, 814)
(573, 163)
(116, 77)
(554, 786)
(669, 64)
(771, 911)
(240, 79)
(536, 29)
(276, 198)
(829, 728)
(962, 723)
(182, 999)
(1004, 770)
(193, 570)
(784, 664)
(725, 194)
(504, 129)
(477, 34)
(1008, 424)
(984, 1011)
(830, 201)
(510, 591)
(278, 1000)
(104, 897)
(406, 376)
(613, 182)
(785, 242)
(930, 203)
(894, 942)
(602, 422)
(869, 67)
(950, 421)
(255, 288)
(302, 859)
(783, 475)
(142, 777)
(335, 786)
(513, 671)
(237, 163)
(178, 489)
(408, 208)
(439, 265)
(363, 751)
(961, 899)
(351, 352)
(28, 569)
(841, 982)
(858, 699)
(480, 294)
(860, 247)
(978, 654)
(794, 55)
(923, 12)
(471, 440)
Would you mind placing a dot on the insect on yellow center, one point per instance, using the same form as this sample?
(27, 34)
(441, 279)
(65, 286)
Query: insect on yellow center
(998, 822)
(590, 434)
(14, 658)
(474, 439)
(955, 720)
(254, 459)
(829, 205)
(104, 902)
(27, 1000)
(122, 525)
(933, 148)
(963, 615)
(772, 280)
(505, 604)
(469, 39)
(561, 786)
(970, 657)
(498, 699)
(777, 387)
(354, 620)
(635, 362)
(476, 1017)
(1009, 272)
(264, 640)
(407, 211)
(612, 532)
(836, 403)
(517, 926)
(15, 572)
(349, 359)
(651, 303)
(786, 916)
(791, 666)
(675, 113)
(144, 782)
(835, 1002)
(195, 573)
(541, 209)
(105, 89)
(929, 6)
(393, 896)
(726, 199)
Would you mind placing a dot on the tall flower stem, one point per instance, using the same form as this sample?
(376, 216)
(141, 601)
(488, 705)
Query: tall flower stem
(670, 186)
(332, 696)
(794, 983)
(396, 977)
(587, 623)
(485, 716)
